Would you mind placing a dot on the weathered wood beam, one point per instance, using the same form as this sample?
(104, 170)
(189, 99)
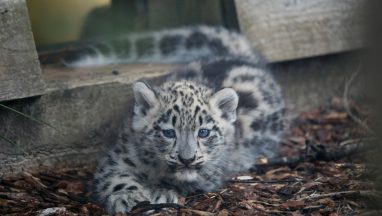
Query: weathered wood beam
(20, 73)
(293, 29)
(86, 106)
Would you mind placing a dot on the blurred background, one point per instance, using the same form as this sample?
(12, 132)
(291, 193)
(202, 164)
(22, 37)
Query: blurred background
(56, 22)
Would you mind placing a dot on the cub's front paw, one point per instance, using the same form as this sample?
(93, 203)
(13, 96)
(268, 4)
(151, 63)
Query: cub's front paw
(164, 196)
(123, 202)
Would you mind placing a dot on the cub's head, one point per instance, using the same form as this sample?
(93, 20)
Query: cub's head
(185, 126)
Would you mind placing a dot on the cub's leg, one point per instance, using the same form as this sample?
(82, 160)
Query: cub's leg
(120, 195)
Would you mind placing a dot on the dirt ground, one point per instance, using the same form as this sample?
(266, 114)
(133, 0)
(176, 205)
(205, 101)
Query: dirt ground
(321, 172)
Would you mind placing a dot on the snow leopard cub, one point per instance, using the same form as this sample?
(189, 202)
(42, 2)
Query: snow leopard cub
(208, 120)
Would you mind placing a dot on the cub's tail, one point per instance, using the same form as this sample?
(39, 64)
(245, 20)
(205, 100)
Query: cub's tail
(167, 46)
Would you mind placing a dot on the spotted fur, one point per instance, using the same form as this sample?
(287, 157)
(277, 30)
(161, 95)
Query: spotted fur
(234, 98)
(168, 46)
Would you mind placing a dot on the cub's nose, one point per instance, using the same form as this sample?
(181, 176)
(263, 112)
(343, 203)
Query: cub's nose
(187, 161)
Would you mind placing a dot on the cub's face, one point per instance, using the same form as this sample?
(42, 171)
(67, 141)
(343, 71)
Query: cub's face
(185, 125)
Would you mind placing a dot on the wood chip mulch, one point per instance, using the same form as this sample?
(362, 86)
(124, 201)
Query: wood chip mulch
(326, 182)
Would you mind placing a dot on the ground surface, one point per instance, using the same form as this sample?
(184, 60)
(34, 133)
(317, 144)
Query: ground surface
(319, 178)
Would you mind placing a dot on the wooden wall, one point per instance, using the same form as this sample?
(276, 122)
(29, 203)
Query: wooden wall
(293, 29)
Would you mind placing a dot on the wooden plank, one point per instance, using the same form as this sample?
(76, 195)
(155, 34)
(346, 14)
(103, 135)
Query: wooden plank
(292, 29)
(20, 73)
(87, 107)
(69, 78)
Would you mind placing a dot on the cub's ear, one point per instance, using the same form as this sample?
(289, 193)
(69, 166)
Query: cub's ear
(145, 98)
(224, 103)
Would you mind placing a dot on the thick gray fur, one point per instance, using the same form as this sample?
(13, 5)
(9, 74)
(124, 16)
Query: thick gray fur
(234, 97)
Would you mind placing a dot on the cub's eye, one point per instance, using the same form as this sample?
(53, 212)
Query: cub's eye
(203, 133)
(170, 133)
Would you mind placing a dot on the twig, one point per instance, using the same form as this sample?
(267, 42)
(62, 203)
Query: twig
(354, 141)
(34, 180)
(198, 212)
(346, 99)
(341, 193)
(264, 203)
(312, 208)
(266, 181)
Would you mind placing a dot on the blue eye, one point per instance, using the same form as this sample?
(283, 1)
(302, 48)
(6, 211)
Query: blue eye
(170, 133)
(203, 133)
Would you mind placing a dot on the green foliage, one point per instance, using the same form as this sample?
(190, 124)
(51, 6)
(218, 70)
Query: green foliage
(7, 140)
(31, 118)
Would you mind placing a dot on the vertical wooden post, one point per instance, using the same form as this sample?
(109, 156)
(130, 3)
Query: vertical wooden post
(20, 73)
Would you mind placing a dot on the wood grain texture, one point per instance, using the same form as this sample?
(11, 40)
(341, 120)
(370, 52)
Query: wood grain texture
(85, 105)
(292, 29)
(70, 78)
(20, 73)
